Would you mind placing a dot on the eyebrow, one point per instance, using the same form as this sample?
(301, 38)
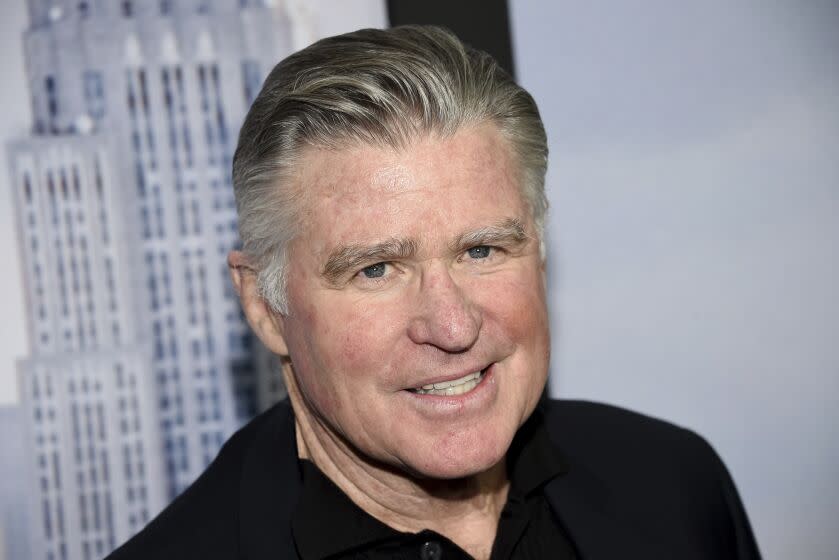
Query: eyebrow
(350, 257)
(509, 233)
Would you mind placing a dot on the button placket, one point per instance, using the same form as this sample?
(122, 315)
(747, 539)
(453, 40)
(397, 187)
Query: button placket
(431, 550)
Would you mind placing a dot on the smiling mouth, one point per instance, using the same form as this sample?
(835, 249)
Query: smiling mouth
(454, 387)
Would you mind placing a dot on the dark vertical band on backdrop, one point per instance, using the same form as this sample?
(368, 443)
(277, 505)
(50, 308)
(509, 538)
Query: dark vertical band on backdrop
(484, 24)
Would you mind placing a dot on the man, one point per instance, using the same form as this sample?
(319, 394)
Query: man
(390, 189)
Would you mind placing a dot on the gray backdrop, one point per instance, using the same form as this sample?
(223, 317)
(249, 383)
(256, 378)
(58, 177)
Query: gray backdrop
(694, 185)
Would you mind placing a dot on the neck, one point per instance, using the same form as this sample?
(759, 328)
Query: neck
(465, 510)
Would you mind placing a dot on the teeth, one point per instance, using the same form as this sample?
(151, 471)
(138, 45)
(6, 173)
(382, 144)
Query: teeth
(447, 384)
(450, 388)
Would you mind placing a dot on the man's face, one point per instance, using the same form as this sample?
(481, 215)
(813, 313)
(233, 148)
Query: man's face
(416, 268)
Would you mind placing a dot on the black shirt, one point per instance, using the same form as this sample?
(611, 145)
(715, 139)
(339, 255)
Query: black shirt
(636, 487)
(327, 524)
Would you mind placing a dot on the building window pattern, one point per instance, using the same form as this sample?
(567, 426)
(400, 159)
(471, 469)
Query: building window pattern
(67, 237)
(166, 358)
(181, 149)
(57, 243)
(145, 154)
(75, 278)
(68, 232)
(205, 379)
(193, 263)
(90, 499)
(51, 96)
(133, 454)
(197, 295)
(189, 211)
(98, 181)
(219, 151)
(110, 297)
(94, 93)
(164, 341)
(251, 80)
(211, 442)
(212, 113)
(158, 281)
(37, 257)
(178, 136)
(42, 403)
(244, 383)
(177, 459)
(90, 464)
(174, 98)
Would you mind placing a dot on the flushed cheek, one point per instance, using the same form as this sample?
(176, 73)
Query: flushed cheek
(523, 321)
(528, 323)
(366, 344)
(352, 350)
(519, 307)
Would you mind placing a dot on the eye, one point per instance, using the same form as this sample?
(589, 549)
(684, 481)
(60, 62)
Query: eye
(480, 252)
(374, 270)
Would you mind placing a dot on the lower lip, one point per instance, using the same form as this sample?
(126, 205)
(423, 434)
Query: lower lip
(476, 398)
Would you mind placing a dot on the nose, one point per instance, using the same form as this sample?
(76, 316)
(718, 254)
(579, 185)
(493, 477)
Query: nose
(444, 315)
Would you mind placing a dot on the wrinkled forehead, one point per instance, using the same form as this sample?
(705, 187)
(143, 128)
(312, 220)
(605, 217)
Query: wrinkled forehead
(430, 192)
(429, 161)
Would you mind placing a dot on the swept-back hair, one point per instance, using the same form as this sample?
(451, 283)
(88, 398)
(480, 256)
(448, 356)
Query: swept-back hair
(376, 87)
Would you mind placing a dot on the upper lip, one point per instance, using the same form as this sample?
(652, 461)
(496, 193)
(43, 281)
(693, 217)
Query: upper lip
(448, 377)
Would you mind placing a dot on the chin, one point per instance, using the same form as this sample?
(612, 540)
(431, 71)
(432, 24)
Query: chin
(454, 459)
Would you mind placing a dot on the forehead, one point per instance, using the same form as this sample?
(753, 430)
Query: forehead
(473, 167)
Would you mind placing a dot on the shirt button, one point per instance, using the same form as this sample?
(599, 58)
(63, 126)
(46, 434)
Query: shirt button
(431, 551)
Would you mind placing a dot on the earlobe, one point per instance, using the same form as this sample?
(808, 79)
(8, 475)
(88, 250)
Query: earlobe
(268, 325)
(274, 340)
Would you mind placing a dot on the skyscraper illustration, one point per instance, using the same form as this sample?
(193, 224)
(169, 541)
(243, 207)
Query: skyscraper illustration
(141, 364)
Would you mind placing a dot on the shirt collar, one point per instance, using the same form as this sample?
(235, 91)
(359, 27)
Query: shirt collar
(533, 460)
(326, 521)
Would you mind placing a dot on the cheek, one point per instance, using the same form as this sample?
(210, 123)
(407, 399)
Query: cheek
(352, 348)
(519, 312)
(519, 305)
(365, 340)
(311, 343)
(350, 341)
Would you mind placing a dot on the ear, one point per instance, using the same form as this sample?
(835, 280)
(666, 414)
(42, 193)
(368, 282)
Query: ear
(268, 325)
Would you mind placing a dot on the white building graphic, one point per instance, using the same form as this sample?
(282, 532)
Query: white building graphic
(141, 364)
(89, 404)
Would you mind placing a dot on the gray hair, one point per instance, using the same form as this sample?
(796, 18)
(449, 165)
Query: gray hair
(376, 87)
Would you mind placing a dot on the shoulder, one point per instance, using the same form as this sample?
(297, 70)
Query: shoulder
(595, 425)
(619, 444)
(658, 477)
(204, 520)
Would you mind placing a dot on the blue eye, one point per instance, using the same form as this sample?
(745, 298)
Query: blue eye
(479, 252)
(374, 271)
